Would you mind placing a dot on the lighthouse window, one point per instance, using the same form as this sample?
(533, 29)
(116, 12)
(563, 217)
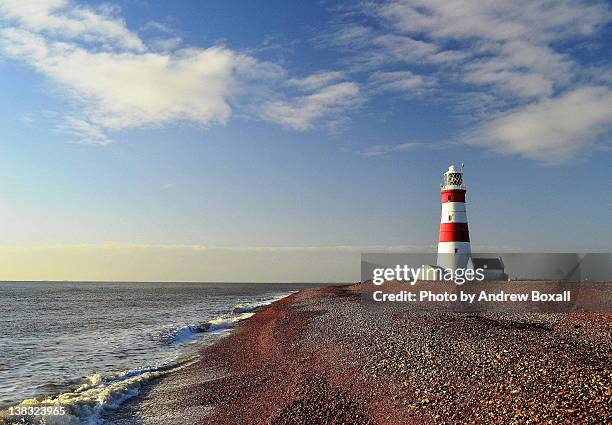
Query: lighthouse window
(450, 218)
(454, 179)
(456, 250)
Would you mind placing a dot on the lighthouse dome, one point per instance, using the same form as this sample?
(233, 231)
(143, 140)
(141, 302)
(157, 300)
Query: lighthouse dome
(453, 178)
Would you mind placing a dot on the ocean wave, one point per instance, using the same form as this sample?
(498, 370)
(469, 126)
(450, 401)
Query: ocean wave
(225, 322)
(100, 393)
(190, 333)
(85, 404)
(248, 307)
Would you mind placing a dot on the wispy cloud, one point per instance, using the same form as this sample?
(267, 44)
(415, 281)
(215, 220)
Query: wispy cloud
(494, 20)
(317, 80)
(304, 111)
(116, 81)
(158, 27)
(513, 56)
(84, 132)
(552, 130)
(400, 82)
(506, 45)
(383, 150)
(493, 61)
(64, 20)
(130, 90)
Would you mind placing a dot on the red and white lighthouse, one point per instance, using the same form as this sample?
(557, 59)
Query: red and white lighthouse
(454, 244)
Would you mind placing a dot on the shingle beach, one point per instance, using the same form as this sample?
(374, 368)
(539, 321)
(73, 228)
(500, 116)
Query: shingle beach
(323, 356)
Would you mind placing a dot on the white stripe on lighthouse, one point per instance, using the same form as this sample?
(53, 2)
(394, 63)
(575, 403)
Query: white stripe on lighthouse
(450, 247)
(453, 212)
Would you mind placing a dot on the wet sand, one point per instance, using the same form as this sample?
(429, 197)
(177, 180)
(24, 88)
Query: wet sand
(323, 356)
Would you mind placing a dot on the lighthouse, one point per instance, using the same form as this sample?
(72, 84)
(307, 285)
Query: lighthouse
(454, 243)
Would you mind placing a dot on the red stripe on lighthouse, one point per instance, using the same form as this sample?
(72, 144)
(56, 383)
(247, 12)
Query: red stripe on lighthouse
(453, 195)
(454, 232)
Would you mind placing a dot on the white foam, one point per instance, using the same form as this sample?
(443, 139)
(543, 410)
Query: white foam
(190, 332)
(85, 405)
(226, 322)
(251, 306)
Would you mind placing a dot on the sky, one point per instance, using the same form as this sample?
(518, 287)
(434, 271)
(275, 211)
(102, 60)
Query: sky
(276, 141)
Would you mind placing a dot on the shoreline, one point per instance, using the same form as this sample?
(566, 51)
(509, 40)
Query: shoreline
(321, 356)
(100, 393)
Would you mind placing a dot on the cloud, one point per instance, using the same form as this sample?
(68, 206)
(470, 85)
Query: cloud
(400, 81)
(65, 20)
(509, 43)
(84, 132)
(302, 112)
(374, 50)
(552, 130)
(394, 48)
(166, 44)
(382, 150)
(317, 80)
(496, 20)
(158, 27)
(120, 90)
(495, 62)
(120, 83)
(485, 59)
(520, 68)
(115, 81)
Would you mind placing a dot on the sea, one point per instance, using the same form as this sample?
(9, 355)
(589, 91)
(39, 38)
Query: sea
(87, 347)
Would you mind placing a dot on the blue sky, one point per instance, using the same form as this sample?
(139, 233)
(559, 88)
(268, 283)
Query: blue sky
(278, 140)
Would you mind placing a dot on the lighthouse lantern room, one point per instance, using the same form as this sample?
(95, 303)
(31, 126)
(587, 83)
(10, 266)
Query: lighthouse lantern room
(454, 243)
